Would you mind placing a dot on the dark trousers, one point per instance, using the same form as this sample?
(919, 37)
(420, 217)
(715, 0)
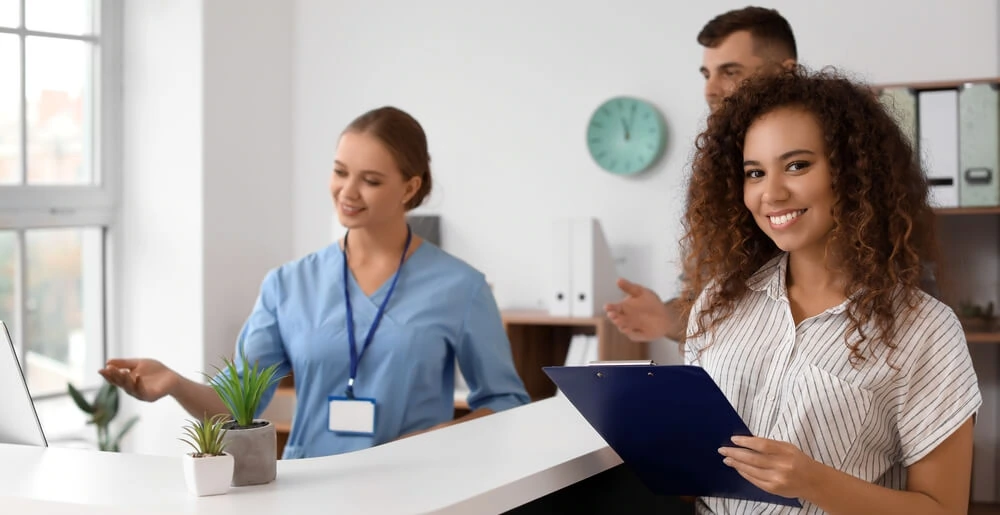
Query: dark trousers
(611, 492)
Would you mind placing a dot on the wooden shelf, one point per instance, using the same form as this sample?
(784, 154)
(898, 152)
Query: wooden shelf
(538, 339)
(530, 317)
(982, 337)
(978, 508)
(950, 211)
(938, 84)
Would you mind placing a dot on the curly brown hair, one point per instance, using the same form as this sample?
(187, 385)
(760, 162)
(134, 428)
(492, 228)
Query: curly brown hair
(883, 229)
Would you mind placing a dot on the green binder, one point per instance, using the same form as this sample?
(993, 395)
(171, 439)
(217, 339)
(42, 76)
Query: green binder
(979, 145)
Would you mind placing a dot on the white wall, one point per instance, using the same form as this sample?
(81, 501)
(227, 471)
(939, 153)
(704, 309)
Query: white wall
(206, 203)
(248, 159)
(504, 90)
(161, 238)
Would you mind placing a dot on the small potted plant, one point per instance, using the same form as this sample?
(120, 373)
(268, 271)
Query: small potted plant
(209, 469)
(976, 318)
(253, 442)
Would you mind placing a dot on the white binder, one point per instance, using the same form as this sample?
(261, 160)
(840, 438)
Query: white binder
(594, 275)
(938, 128)
(578, 351)
(583, 276)
(561, 271)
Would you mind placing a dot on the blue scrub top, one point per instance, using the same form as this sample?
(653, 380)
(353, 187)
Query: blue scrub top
(441, 309)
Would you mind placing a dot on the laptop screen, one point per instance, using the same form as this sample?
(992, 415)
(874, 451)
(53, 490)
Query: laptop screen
(19, 423)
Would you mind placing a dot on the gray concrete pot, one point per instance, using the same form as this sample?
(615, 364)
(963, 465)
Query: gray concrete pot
(255, 451)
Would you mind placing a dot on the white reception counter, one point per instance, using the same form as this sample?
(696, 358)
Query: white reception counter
(487, 465)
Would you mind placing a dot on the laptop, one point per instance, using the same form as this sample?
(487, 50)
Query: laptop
(19, 423)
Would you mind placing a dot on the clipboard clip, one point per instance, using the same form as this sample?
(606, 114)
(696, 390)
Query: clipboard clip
(646, 362)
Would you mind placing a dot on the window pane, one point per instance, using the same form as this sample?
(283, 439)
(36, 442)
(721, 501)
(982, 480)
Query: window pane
(62, 16)
(10, 15)
(64, 326)
(59, 111)
(10, 109)
(8, 278)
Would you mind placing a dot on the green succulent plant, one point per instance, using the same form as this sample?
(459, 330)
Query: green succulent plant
(102, 411)
(206, 436)
(242, 393)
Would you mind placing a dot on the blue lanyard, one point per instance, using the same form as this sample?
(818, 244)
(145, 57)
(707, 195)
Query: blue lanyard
(355, 355)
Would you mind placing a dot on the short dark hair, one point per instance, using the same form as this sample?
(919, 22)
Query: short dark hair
(403, 136)
(767, 26)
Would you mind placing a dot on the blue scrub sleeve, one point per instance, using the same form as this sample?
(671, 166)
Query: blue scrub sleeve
(484, 356)
(260, 337)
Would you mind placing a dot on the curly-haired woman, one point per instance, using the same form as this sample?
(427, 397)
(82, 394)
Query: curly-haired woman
(806, 228)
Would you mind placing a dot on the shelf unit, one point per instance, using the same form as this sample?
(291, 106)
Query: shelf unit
(969, 241)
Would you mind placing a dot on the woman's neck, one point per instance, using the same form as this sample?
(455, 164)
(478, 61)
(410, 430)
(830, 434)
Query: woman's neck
(376, 243)
(812, 273)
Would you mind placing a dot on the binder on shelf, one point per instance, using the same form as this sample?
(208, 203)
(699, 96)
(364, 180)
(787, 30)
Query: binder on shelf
(583, 272)
(582, 350)
(938, 129)
(561, 271)
(594, 273)
(579, 352)
(979, 145)
(666, 422)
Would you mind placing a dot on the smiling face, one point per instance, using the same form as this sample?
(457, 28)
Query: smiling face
(788, 186)
(367, 187)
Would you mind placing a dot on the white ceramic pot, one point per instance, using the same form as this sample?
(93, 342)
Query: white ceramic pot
(208, 475)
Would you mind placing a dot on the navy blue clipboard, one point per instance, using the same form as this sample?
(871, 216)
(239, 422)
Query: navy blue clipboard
(666, 422)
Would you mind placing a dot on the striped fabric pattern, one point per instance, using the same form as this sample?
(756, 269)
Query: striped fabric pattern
(796, 384)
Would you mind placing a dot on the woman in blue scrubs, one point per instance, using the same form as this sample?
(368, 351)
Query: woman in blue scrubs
(378, 317)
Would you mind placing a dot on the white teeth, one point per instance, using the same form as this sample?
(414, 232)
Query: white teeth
(785, 218)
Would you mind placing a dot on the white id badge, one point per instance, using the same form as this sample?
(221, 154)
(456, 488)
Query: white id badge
(352, 416)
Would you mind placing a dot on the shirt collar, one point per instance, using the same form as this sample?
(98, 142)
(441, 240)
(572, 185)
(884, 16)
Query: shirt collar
(770, 279)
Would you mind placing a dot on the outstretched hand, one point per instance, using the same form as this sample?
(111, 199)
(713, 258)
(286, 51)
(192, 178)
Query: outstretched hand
(774, 466)
(145, 379)
(641, 315)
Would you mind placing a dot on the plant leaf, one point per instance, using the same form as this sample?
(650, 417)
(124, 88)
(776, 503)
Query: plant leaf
(112, 400)
(79, 400)
(103, 396)
(206, 435)
(242, 388)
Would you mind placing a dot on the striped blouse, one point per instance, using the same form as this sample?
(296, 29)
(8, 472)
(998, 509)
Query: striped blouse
(796, 384)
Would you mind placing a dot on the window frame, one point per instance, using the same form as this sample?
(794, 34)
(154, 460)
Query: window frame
(24, 207)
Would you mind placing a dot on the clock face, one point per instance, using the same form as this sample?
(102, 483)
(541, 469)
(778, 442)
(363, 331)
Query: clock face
(625, 135)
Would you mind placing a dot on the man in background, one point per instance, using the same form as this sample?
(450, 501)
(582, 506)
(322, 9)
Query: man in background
(737, 45)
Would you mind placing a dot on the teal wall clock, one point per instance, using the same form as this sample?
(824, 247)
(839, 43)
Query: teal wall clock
(626, 135)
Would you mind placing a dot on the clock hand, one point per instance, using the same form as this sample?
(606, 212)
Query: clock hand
(625, 126)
